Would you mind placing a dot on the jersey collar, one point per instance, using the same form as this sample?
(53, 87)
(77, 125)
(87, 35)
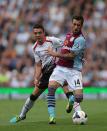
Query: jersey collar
(42, 42)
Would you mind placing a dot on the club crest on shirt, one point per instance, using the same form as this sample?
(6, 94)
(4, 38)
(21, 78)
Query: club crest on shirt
(72, 38)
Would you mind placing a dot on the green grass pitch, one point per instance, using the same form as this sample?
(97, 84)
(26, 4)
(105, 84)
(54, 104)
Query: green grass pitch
(37, 118)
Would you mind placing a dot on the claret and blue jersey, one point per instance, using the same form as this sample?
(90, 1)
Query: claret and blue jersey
(76, 44)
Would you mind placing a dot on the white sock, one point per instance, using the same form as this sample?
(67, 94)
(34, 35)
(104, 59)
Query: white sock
(27, 106)
(77, 107)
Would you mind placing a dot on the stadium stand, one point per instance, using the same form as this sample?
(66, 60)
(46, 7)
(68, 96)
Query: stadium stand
(16, 20)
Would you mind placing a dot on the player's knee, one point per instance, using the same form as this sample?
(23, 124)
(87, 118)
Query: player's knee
(52, 87)
(79, 98)
(33, 97)
(51, 91)
(53, 84)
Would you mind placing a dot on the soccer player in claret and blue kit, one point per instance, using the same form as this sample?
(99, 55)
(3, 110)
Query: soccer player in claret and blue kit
(69, 67)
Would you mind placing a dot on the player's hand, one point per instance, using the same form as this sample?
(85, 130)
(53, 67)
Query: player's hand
(36, 82)
(50, 51)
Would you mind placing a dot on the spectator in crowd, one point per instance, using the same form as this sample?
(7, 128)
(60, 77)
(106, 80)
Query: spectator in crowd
(18, 16)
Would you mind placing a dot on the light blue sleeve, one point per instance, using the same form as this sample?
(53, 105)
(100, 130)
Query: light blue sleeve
(79, 45)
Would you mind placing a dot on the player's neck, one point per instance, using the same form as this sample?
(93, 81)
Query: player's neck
(40, 42)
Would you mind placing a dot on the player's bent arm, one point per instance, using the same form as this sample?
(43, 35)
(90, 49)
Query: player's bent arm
(70, 55)
(38, 71)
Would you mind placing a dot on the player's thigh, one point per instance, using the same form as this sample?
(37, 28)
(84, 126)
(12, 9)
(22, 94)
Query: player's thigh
(57, 76)
(44, 81)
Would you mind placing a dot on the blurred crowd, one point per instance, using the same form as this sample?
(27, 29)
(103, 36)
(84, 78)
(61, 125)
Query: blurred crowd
(17, 18)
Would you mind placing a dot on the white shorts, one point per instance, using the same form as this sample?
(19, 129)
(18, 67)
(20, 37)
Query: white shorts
(72, 76)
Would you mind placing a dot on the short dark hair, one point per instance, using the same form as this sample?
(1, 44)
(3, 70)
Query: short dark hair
(39, 26)
(78, 17)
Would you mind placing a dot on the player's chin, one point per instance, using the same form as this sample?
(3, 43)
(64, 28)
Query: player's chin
(76, 32)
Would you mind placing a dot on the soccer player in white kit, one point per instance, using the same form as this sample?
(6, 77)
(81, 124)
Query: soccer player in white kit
(43, 68)
(69, 67)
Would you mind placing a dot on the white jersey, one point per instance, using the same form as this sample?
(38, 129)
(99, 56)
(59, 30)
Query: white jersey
(40, 50)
